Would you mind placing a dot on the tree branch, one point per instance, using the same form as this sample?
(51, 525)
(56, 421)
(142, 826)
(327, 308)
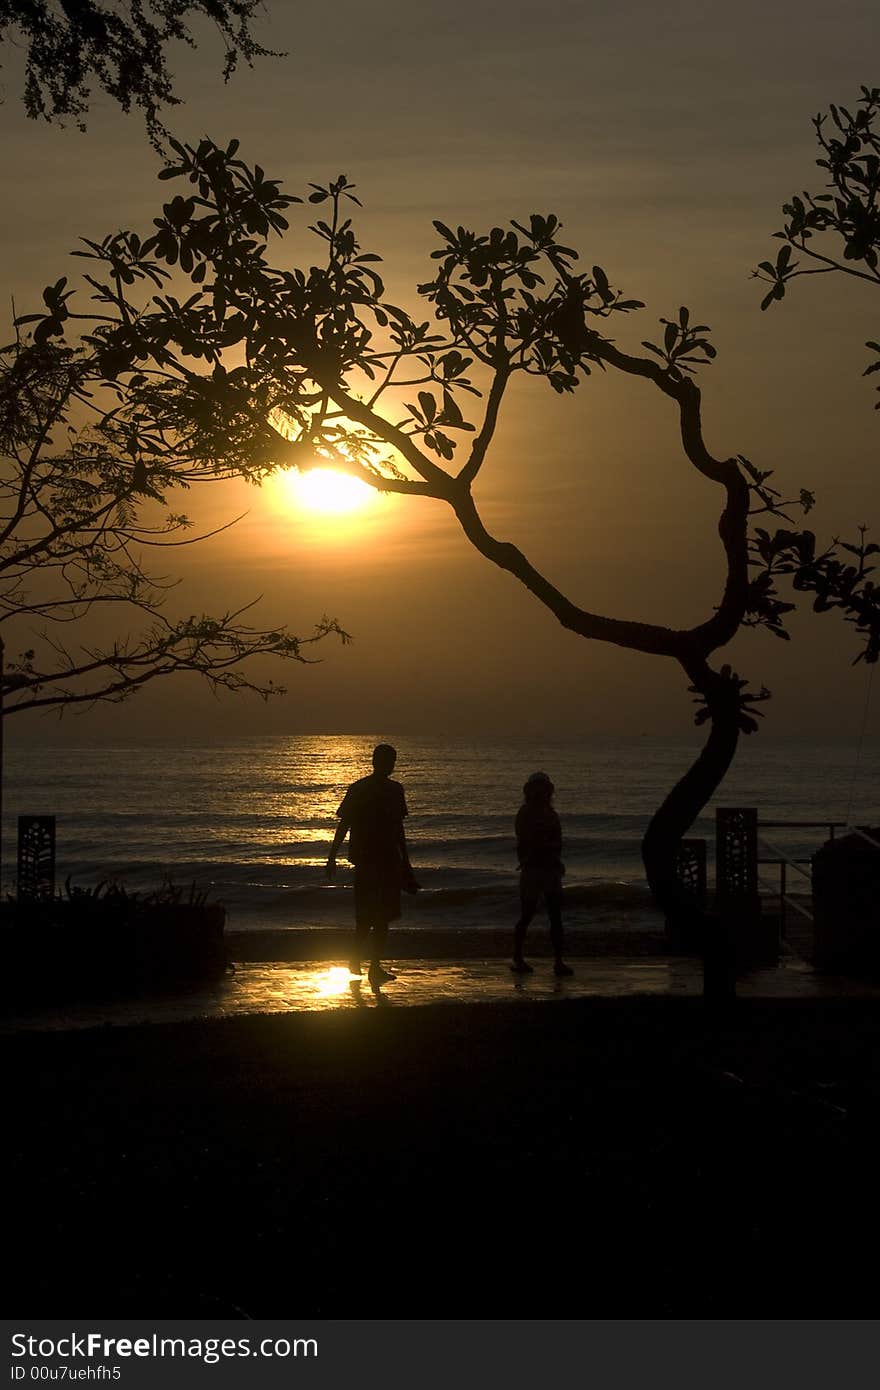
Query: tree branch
(440, 483)
(212, 648)
(641, 637)
(468, 473)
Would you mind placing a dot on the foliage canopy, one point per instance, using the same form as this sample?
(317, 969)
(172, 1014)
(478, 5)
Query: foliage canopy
(118, 47)
(846, 220)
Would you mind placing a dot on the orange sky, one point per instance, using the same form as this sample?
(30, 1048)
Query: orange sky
(666, 139)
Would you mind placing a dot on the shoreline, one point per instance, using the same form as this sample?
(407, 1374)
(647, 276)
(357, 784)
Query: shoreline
(438, 943)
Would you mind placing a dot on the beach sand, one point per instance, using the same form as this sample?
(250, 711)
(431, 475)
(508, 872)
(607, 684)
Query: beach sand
(583, 1158)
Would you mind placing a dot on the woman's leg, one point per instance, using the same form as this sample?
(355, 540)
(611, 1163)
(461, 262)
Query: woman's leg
(553, 900)
(528, 908)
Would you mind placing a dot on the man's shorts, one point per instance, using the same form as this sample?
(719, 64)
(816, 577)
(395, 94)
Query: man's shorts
(376, 894)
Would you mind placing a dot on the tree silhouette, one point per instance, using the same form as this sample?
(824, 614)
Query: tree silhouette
(120, 47)
(846, 220)
(295, 367)
(74, 532)
(89, 455)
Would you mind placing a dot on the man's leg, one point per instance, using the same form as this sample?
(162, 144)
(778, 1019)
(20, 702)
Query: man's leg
(385, 908)
(378, 975)
(364, 914)
(379, 941)
(361, 948)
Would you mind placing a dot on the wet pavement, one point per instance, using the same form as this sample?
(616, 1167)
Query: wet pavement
(308, 987)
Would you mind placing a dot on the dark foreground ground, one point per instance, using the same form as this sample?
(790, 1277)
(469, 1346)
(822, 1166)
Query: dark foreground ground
(572, 1159)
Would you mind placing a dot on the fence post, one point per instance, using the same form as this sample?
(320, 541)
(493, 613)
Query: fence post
(736, 898)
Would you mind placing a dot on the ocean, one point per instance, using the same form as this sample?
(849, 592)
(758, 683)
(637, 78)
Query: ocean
(250, 820)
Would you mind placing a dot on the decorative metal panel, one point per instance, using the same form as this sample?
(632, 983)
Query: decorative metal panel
(36, 857)
(690, 870)
(736, 855)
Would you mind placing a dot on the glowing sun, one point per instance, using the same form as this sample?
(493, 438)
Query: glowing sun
(326, 491)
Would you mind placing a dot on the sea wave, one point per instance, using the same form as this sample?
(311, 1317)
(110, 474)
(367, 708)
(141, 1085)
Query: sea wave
(268, 894)
(251, 821)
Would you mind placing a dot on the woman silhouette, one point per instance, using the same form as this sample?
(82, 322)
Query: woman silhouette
(539, 849)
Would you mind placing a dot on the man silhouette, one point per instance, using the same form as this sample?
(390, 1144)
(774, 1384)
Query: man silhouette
(373, 809)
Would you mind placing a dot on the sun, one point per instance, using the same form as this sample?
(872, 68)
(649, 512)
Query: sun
(326, 491)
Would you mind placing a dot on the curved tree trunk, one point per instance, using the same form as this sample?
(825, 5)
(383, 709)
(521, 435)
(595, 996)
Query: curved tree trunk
(672, 820)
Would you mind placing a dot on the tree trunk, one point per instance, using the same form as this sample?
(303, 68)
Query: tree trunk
(674, 818)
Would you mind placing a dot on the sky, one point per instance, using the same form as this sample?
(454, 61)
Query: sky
(666, 139)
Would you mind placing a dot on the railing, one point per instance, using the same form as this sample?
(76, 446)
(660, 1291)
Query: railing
(831, 825)
(778, 857)
(857, 830)
(738, 935)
